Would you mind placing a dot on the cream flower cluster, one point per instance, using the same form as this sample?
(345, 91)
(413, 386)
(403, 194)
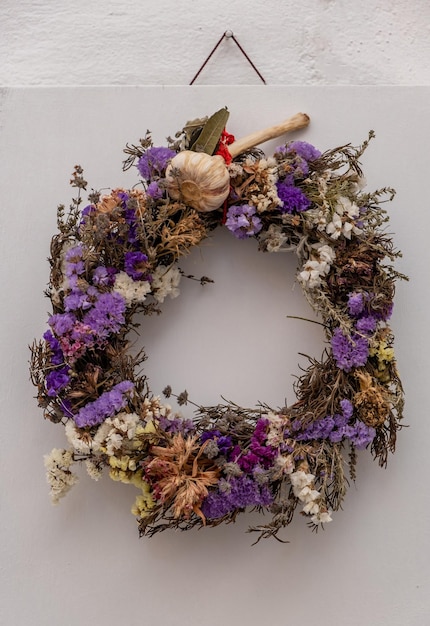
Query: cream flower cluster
(133, 291)
(58, 474)
(165, 282)
(303, 484)
(317, 266)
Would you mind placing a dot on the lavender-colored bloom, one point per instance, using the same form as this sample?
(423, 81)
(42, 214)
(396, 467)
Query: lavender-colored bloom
(154, 161)
(90, 208)
(74, 265)
(135, 264)
(237, 493)
(177, 425)
(355, 303)
(334, 428)
(349, 352)
(347, 408)
(130, 218)
(105, 406)
(242, 221)
(107, 315)
(56, 381)
(304, 150)
(104, 276)
(366, 324)
(258, 454)
(361, 435)
(62, 323)
(57, 356)
(224, 442)
(292, 198)
(77, 299)
(154, 191)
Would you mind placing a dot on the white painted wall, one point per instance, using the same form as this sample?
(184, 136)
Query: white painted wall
(305, 42)
(82, 563)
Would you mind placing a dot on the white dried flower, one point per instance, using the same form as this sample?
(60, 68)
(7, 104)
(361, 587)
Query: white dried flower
(165, 282)
(133, 291)
(58, 474)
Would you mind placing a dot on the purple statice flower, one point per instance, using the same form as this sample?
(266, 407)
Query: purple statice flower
(223, 442)
(62, 323)
(90, 208)
(356, 301)
(386, 312)
(124, 197)
(361, 435)
(130, 218)
(305, 150)
(56, 357)
(135, 265)
(105, 406)
(56, 381)
(366, 324)
(154, 191)
(347, 409)
(78, 299)
(107, 315)
(242, 221)
(104, 276)
(333, 428)
(74, 263)
(292, 198)
(258, 454)
(238, 492)
(176, 425)
(320, 429)
(153, 162)
(349, 352)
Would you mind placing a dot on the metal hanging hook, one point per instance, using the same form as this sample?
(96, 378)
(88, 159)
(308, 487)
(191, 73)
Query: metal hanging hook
(228, 34)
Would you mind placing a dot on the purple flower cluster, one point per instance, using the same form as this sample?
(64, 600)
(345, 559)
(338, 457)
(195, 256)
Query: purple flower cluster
(293, 199)
(135, 265)
(153, 162)
(349, 351)
(57, 378)
(367, 311)
(236, 493)
(258, 454)
(298, 154)
(335, 428)
(74, 264)
(223, 442)
(105, 406)
(104, 276)
(105, 317)
(176, 425)
(242, 221)
(304, 150)
(296, 157)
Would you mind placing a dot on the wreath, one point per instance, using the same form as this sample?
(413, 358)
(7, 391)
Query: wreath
(117, 258)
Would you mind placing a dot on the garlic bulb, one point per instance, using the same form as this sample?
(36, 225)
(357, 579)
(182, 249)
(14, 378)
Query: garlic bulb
(198, 179)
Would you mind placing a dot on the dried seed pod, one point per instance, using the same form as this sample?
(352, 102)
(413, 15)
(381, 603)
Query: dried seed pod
(198, 179)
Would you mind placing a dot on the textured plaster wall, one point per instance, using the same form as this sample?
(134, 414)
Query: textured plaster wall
(311, 42)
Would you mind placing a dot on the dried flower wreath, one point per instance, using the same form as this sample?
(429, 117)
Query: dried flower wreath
(118, 257)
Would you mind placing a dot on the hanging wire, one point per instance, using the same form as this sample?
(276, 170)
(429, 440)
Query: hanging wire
(228, 35)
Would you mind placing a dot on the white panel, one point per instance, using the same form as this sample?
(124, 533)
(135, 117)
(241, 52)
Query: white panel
(82, 562)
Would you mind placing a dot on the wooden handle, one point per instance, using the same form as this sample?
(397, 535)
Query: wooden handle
(300, 120)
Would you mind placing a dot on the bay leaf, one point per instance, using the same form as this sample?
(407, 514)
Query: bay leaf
(211, 133)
